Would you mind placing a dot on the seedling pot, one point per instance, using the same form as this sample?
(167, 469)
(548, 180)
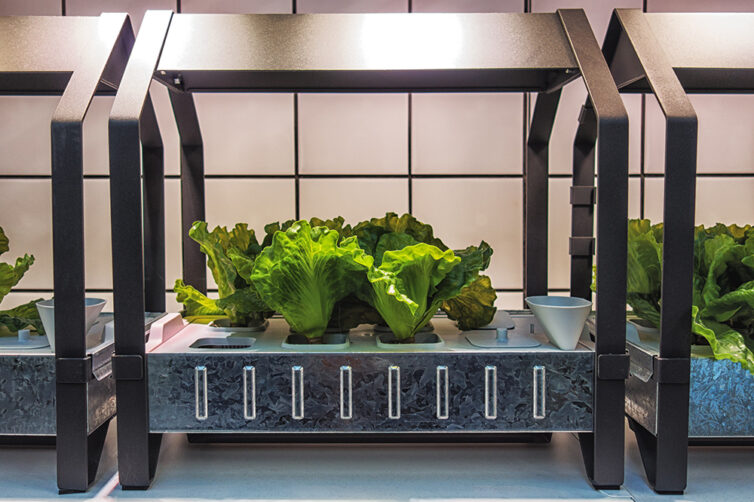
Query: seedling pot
(562, 317)
(422, 340)
(328, 342)
(46, 309)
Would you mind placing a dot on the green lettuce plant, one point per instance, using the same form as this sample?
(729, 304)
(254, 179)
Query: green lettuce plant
(410, 280)
(305, 271)
(23, 316)
(230, 258)
(723, 285)
(473, 307)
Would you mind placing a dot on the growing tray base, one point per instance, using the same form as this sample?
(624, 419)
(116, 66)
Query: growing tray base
(455, 388)
(721, 393)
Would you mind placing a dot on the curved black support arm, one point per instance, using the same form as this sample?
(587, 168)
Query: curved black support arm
(138, 282)
(633, 53)
(113, 35)
(536, 193)
(680, 183)
(602, 449)
(192, 185)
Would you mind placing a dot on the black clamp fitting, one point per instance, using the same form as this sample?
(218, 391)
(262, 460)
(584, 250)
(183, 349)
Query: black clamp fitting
(128, 367)
(613, 366)
(672, 369)
(583, 195)
(581, 246)
(73, 369)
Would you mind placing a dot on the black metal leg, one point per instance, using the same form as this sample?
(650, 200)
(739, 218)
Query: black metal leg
(603, 450)
(142, 479)
(665, 455)
(95, 445)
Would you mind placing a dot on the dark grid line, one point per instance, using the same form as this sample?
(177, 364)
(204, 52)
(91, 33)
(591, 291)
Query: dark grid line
(642, 177)
(296, 173)
(410, 140)
(377, 176)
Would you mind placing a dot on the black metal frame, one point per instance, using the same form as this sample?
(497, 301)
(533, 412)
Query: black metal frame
(640, 63)
(34, 65)
(179, 66)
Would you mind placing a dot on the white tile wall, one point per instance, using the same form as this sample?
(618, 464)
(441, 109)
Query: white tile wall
(466, 211)
(246, 133)
(467, 133)
(135, 8)
(26, 209)
(726, 134)
(468, 6)
(237, 6)
(27, 8)
(323, 6)
(25, 134)
(724, 200)
(354, 199)
(353, 133)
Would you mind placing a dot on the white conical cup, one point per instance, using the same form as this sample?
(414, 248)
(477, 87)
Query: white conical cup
(46, 309)
(562, 318)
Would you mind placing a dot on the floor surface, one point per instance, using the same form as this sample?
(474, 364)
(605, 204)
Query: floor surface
(380, 473)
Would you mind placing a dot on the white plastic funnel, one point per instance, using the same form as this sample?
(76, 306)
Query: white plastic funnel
(562, 318)
(46, 309)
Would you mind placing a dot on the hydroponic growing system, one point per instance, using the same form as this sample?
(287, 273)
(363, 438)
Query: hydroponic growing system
(673, 399)
(66, 397)
(364, 392)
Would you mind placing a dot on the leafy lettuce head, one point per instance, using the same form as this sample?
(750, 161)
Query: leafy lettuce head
(230, 258)
(411, 281)
(10, 274)
(305, 271)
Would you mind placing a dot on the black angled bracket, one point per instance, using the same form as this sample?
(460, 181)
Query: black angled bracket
(613, 366)
(672, 369)
(73, 369)
(128, 367)
(581, 246)
(583, 195)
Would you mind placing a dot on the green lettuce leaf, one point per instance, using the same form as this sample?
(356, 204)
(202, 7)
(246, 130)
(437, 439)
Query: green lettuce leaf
(726, 342)
(475, 306)
(230, 258)
(194, 302)
(410, 285)
(305, 271)
(369, 232)
(4, 247)
(23, 316)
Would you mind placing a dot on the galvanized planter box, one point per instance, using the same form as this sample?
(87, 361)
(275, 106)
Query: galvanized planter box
(27, 386)
(721, 392)
(456, 387)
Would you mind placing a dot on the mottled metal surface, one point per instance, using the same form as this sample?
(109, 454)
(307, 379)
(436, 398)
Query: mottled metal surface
(177, 399)
(27, 396)
(721, 400)
(721, 396)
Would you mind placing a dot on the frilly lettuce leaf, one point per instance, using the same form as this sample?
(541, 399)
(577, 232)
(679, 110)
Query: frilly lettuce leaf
(370, 231)
(23, 316)
(3, 242)
(409, 286)
(230, 258)
(194, 302)
(723, 285)
(304, 272)
(475, 306)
